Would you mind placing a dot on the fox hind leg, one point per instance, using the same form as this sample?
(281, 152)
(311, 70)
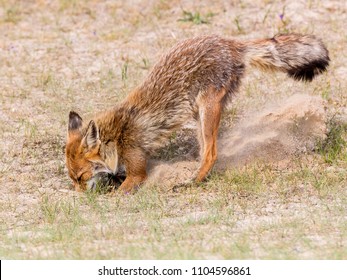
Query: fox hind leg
(200, 138)
(210, 105)
(210, 110)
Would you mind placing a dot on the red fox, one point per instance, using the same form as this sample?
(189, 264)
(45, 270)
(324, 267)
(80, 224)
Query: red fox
(193, 81)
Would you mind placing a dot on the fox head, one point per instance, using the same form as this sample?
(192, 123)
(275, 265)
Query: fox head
(88, 160)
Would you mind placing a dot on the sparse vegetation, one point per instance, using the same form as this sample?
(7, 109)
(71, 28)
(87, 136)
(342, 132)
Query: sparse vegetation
(196, 17)
(238, 25)
(334, 147)
(12, 15)
(85, 56)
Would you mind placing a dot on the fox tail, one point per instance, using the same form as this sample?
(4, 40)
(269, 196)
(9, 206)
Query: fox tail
(302, 57)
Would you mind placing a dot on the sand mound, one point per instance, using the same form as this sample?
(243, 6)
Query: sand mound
(276, 132)
(272, 134)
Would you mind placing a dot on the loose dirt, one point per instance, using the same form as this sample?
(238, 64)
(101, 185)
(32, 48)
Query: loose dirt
(275, 133)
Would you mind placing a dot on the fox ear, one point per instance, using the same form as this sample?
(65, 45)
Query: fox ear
(75, 121)
(91, 139)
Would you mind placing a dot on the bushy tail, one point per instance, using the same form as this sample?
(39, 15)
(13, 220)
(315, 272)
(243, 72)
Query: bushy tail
(302, 57)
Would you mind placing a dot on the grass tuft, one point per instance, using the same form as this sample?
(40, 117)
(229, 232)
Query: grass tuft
(334, 147)
(196, 17)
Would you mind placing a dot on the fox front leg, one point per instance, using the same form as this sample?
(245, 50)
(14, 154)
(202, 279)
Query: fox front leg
(135, 164)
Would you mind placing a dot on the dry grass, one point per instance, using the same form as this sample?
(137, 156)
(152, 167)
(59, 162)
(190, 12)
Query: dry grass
(86, 55)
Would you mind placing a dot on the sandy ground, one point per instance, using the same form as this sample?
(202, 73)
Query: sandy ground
(57, 56)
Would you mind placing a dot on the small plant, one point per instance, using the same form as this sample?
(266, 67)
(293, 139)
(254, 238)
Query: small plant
(45, 81)
(71, 211)
(30, 129)
(196, 17)
(326, 91)
(333, 147)
(49, 209)
(248, 181)
(266, 15)
(283, 28)
(238, 25)
(12, 15)
(125, 71)
(145, 62)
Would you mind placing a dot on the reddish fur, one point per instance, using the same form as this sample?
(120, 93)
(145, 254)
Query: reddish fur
(194, 80)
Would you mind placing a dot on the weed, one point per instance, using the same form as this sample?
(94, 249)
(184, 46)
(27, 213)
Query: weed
(30, 129)
(12, 15)
(326, 91)
(333, 148)
(283, 27)
(45, 81)
(249, 180)
(196, 17)
(266, 15)
(145, 62)
(124, 72)
(49, 209)
(238, 25)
